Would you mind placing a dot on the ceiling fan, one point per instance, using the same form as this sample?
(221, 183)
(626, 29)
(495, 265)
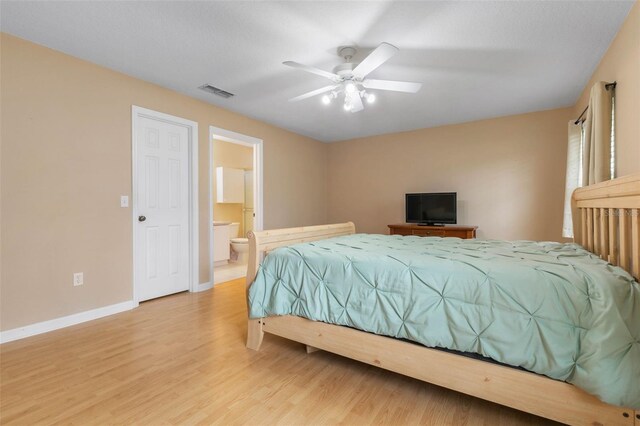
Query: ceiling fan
(350, 78)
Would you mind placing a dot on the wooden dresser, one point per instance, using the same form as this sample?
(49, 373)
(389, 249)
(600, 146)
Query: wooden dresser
(433, 231)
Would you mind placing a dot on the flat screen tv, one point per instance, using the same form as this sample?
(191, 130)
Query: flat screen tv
(435, 208)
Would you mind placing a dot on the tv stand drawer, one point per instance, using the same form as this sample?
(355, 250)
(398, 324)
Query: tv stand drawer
(429, 232)
(464, 232)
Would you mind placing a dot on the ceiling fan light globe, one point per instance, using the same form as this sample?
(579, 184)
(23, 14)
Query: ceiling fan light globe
(371, 98)
(326, 99)
(350, 87)
(347, 106)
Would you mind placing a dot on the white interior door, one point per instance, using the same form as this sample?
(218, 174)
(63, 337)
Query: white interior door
(162, 203)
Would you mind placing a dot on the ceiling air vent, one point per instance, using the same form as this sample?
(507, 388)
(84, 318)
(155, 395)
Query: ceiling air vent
(212, 89)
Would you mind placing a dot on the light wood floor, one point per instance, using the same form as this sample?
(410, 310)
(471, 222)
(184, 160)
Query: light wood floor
(182, 360)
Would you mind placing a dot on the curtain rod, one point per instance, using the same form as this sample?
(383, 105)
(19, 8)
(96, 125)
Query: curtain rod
(607, 87)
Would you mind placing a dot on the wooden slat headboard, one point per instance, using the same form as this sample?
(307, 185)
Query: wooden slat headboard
(606, 221)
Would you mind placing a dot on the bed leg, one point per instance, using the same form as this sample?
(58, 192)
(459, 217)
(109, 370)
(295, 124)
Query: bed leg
(254, 334)
(311, 349)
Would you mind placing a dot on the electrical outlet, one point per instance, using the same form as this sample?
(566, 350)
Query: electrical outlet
(78, 279)
(124, 201)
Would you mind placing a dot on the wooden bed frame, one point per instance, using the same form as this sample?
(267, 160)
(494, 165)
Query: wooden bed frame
(606, 221)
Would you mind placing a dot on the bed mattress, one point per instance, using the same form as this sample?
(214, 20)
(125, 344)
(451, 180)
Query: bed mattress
(551, 308)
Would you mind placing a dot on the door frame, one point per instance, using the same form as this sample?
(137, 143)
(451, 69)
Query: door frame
(257, 145)
(192, 141)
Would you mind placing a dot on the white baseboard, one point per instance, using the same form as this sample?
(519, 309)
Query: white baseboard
(62, 322)
(205, 286)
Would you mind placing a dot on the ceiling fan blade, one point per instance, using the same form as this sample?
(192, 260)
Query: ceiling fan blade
(396, 86)
(313, 70)
(376, 58)
(356, 103)
(313, 93)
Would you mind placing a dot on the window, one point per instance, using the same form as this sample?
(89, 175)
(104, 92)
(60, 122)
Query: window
(613, 134)
(573, 180)
(575, 164)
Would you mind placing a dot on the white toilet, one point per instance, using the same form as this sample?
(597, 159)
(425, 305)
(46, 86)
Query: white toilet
(239, 245)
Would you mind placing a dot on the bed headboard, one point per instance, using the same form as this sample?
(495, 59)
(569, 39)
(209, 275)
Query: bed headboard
(606, 221)
(261, 242)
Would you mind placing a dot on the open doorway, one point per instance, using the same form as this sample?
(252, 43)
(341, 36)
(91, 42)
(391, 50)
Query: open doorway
(235, 201)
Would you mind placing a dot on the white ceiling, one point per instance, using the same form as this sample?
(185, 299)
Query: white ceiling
(475, 59)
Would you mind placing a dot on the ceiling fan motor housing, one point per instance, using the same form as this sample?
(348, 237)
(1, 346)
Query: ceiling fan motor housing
(345, 70)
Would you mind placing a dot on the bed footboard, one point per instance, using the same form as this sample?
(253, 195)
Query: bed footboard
(261, 242)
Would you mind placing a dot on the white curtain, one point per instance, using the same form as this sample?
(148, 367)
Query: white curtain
(573, 177)
(596, 152)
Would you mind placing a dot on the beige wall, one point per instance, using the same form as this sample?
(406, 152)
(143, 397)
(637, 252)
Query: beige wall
(227, 154)
(66, 159)
(621, 63)
(508, 173)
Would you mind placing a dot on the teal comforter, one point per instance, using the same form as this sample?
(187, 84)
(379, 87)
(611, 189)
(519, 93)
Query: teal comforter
(551, 308)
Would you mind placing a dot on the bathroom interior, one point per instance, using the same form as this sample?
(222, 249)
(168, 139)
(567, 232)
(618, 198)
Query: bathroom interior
(233, 210)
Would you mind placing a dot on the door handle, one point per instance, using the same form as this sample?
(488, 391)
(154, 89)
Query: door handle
(141, 218)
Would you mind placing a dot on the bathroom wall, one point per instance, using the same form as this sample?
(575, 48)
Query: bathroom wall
(227, 154)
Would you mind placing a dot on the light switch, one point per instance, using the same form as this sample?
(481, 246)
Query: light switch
(124, 201)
